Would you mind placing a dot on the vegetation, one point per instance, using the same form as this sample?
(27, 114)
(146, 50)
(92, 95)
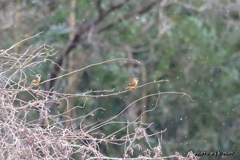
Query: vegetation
(185, 54)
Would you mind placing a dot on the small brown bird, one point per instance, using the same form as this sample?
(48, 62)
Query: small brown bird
(133, 84)
(36, 81)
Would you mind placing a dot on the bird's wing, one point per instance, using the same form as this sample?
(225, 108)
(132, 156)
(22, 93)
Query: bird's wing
(36, 80)
(131, 83)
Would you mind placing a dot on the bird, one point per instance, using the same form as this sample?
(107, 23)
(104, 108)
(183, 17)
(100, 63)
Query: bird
(133, 84)
(36, 81)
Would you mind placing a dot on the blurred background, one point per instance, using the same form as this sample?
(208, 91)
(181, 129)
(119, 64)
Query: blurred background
(193, 44)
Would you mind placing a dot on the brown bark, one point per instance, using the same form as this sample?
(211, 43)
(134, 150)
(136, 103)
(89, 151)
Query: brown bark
(72, 78)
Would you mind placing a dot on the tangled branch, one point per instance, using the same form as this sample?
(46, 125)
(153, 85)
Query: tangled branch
(22, 138)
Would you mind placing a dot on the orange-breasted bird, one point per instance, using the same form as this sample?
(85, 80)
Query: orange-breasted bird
(133, 84)
(36, 81)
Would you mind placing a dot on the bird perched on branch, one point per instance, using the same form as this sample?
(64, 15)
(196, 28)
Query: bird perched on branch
(133, 84)
(36, 81)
